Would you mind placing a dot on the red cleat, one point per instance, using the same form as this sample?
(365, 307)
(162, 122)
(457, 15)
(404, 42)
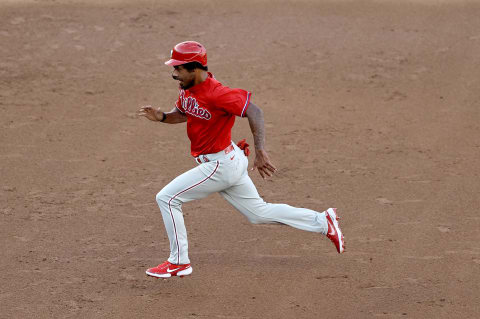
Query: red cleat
(167, 270)
(334, 232)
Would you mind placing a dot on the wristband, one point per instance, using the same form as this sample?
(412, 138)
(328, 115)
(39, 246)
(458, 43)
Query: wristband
(164, 116)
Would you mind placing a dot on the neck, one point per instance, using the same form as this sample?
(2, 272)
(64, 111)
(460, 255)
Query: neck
(200, 76)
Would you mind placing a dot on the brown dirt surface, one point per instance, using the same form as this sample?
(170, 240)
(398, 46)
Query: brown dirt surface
(370, 106)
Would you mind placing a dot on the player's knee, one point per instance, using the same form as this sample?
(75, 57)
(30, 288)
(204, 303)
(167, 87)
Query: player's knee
(255, 220)
(162, 197)
(165, 198)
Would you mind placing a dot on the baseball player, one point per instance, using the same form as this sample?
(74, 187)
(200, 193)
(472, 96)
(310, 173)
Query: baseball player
(210, 109)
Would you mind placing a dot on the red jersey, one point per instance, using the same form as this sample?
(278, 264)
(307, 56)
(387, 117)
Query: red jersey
(211, 109)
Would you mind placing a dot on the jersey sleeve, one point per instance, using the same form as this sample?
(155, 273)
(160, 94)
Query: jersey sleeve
(233, 101)
(178, 104)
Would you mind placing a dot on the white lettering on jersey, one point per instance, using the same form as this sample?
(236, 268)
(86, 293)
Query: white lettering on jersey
(190, 106)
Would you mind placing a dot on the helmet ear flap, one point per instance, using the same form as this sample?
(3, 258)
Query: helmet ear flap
(188, 51)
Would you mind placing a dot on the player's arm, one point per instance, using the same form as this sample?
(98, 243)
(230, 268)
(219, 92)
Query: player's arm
(262, 161)
(157, 115)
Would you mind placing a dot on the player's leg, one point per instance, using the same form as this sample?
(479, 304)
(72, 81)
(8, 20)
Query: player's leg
(245, 198)
(196, 183)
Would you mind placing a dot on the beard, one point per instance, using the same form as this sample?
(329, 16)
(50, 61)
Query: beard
(185, 85)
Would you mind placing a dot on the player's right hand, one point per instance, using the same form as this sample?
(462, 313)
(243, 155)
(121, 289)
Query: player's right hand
(150, 113)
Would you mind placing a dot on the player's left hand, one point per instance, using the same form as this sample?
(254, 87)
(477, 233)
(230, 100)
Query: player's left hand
(262, 164)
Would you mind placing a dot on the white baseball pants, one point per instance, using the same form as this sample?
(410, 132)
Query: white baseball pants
(228, 175)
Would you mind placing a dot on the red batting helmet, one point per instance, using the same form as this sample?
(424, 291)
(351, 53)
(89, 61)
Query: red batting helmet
(188, 51)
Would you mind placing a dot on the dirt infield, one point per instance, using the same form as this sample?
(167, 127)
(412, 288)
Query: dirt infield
(371, 107)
